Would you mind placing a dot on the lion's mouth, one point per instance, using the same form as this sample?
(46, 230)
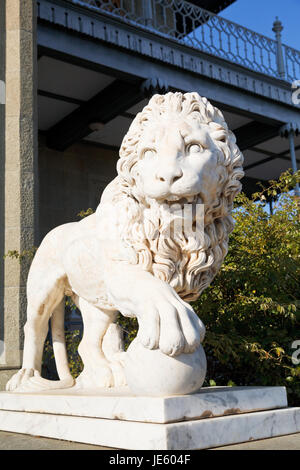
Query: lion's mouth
(174, 199)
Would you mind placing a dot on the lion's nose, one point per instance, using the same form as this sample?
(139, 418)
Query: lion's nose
(169, 175)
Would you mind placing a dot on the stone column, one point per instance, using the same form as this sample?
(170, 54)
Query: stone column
(18, 208)
(2, 166)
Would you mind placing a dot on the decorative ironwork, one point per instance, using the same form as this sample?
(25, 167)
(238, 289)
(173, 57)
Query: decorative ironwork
(200, 29)
(292, 63)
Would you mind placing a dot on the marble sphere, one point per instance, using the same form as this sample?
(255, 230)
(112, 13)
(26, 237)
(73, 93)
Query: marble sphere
(153, 373)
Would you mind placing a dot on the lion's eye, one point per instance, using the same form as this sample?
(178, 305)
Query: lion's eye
(194, 148)
(149, 153)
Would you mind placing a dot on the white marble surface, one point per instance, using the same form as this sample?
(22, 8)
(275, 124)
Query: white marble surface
(196, 434)
(146, 252)
(122, 405)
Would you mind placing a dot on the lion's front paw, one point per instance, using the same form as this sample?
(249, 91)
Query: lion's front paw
(95, 377)
(171, 325)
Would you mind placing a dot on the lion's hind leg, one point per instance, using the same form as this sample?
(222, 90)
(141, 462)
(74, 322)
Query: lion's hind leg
(45, 295)
(97, 372)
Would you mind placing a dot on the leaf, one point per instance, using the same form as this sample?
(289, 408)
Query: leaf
(230, 383)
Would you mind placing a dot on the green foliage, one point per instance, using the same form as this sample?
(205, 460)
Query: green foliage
(251, 310)
(86, 213)
(24, 255)
(130, 327)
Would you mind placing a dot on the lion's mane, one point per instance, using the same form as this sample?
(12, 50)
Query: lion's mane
(188, 265)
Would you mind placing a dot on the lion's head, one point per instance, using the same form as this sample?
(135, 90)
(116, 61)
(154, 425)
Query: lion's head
(179, 150)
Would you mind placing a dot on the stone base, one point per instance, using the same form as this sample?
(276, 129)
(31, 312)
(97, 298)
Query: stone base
(213, 417)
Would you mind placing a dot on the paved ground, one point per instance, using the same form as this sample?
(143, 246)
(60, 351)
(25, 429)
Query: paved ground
(290, 442)
(12, 441)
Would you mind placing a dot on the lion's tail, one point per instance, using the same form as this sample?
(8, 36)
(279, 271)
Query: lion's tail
(59, 345)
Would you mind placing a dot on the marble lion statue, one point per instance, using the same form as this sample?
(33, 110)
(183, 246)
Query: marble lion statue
(178, 152)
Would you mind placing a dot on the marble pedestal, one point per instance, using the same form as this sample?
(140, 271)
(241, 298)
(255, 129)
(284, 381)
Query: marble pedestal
(212, 417)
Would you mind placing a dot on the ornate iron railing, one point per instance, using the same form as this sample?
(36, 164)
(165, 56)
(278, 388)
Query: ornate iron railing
(191, 25)
(292, 63)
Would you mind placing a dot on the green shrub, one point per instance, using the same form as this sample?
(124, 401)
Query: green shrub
(251, 310)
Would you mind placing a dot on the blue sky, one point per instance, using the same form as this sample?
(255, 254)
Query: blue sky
(259, 15)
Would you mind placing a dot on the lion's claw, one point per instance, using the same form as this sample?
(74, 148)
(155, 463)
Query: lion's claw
(170, 324)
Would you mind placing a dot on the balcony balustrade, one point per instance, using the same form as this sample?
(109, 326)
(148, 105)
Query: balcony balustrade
(200, 29)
